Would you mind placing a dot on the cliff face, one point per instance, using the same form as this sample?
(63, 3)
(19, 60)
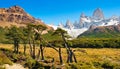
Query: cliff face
(17, 16)
(98, 14)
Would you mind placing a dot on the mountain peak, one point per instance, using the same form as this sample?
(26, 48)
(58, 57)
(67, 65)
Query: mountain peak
(82, 15)
(98, 9)
(15, 9)
(69, 25)
(98, 14)
(16, 6)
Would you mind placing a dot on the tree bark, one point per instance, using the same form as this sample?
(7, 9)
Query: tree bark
(38, 56)
(60, 56)
(33, 50)
(17, 48)
(14, 46)
(24, 48)
(68, 57)
(69, 51)
(42, 55)
(71, 54)
(74, 57)
(30, 48)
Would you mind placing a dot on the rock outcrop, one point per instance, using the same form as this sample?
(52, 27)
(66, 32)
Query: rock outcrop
(16, 14)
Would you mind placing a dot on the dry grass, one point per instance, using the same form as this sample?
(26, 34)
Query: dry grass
(91, 55)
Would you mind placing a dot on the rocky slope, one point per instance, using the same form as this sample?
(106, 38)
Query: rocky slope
(15, 15)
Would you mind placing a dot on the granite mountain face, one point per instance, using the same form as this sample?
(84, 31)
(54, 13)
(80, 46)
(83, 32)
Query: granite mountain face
(98, 14)
(86, 21)
(89, 22)
(97, 20)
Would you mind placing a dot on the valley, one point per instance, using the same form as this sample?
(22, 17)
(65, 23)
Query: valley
(26, 42)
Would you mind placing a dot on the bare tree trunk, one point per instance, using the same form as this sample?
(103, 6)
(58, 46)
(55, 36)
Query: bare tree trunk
(74, 57)
(68, 56)
(17, 48)
(38, 56)
(33, 50)
(30, 48)
(60, 56)
(14, 46)
(71, 54)
(24, 48)
(67, 48)
(42, 55)
(69, 51)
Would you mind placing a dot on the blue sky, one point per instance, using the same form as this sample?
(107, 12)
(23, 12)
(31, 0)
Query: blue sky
(56, 11)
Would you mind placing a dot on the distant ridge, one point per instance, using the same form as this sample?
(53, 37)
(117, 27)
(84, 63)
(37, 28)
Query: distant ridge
(102, 31)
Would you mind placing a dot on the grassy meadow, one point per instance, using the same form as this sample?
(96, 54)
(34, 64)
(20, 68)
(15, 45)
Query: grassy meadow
(88, 58)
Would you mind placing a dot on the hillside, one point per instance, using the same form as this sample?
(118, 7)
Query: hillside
(16, 15)
(102, 31)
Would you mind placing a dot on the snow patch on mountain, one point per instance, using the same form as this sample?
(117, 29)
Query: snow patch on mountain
(53, 26)
(87, 22)
(111, 22)
(72, 32)
(75, 32)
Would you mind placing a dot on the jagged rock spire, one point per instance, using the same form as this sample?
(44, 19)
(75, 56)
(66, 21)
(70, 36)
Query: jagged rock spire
(69, 24)
(98, 14)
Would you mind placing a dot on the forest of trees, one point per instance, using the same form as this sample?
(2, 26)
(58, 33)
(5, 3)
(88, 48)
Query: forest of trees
(21, 35)
(32, 37)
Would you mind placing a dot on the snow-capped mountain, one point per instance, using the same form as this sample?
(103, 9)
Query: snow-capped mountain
(69, 25)
(72, 32)
(87, 22)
